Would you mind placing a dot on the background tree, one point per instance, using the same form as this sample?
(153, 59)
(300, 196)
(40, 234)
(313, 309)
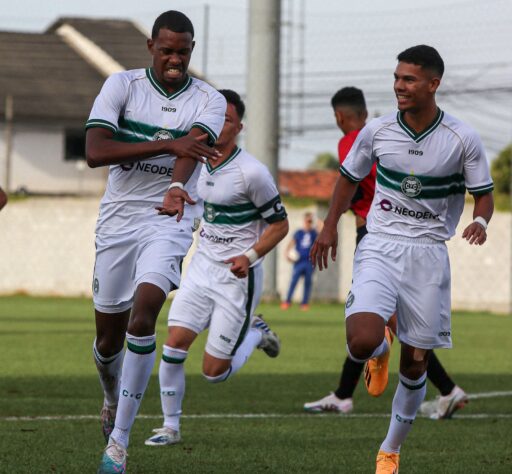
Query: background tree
(500, 170)
(324, 161)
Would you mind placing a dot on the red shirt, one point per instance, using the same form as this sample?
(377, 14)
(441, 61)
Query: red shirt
(364, 195)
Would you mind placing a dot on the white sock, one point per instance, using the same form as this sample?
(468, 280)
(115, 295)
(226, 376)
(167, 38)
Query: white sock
(109, 371)
(172, 385)
(408, 397)
(244, 351)
(138, 363)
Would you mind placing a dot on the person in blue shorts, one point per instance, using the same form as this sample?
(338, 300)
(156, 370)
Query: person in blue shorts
(298, 252)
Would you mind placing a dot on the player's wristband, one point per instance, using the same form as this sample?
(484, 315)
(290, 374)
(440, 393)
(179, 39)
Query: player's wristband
(252, 255)
(481, 221)
(177, 184)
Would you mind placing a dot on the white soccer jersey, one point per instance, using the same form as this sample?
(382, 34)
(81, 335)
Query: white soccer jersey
(240, 198)
(421, 178)
(137, 108)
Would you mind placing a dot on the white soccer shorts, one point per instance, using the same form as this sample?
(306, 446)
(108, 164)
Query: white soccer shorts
(152, 254)
(409, 276)
(210, 295)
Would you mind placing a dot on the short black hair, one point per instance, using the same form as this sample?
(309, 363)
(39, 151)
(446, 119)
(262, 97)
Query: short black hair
(172, 20)
(425, 56)
(234, 98)
(350, 96)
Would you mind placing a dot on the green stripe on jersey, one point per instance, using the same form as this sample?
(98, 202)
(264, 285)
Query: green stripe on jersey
(347, 175)
(428, 187)
(417, 137)
(236, 151)
(150, 74)
(133, 131)
(477, 190)
(93, 123)
(212, 136)
(235, 214)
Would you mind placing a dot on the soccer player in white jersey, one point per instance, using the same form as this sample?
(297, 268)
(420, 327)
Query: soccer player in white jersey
(426, 160)
(243, 220)
(151, 126)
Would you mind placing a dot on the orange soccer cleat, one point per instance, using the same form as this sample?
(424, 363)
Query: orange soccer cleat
(376, 370)
(387, 463)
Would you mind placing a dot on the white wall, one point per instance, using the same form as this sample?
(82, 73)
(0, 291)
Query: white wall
(47, 247)
(38, 164)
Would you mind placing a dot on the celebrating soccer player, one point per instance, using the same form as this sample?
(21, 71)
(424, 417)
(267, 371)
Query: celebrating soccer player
(243, 220)
(350, 112)
(426, 159)
(151, 126)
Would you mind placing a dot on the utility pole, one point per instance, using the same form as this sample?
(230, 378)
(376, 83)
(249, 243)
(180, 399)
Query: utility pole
(9, 114)
(263, 102)
(206, 34)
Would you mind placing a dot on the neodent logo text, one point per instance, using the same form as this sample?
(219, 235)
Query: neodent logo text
(388, 206)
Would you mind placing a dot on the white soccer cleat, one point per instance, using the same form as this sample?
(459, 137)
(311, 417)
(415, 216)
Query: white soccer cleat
(163, 437)
(330, 403)
(445, 407)
(270, 343)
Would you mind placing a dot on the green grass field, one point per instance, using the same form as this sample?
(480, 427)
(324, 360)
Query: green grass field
(48, 371)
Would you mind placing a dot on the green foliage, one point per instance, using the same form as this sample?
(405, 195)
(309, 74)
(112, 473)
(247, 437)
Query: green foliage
(48, 369)
(500, 170)
(324, 161)
(501, 175)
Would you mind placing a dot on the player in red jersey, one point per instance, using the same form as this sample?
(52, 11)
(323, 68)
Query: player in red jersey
(350, 111)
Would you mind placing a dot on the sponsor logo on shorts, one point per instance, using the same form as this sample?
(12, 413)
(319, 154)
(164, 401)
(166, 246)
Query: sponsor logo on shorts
(95, 286)
(350, 300)
(388, 206)
(411, 186)
(163, 135)
(148, 168)
(215, 238)
(444, 334)
(224, 338)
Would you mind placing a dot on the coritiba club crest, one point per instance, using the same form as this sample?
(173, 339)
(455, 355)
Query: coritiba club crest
(411, 186)
(163, 135)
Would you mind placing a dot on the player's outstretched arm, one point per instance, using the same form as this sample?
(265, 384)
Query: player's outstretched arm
(476, 232)
(328, 239)
(3, 199)
(102, 150)
(271, 236)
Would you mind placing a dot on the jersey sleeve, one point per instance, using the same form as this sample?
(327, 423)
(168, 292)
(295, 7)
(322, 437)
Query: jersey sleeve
(263, 193)
(360, 158)
(211, 119)
(109, 104)
(476, 169)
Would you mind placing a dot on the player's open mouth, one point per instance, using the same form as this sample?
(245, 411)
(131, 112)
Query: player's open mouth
(172, 73)
(402, 98)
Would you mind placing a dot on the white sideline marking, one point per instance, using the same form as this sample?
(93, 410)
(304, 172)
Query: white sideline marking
(471, 396)
(476, 396)
(475, 416)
